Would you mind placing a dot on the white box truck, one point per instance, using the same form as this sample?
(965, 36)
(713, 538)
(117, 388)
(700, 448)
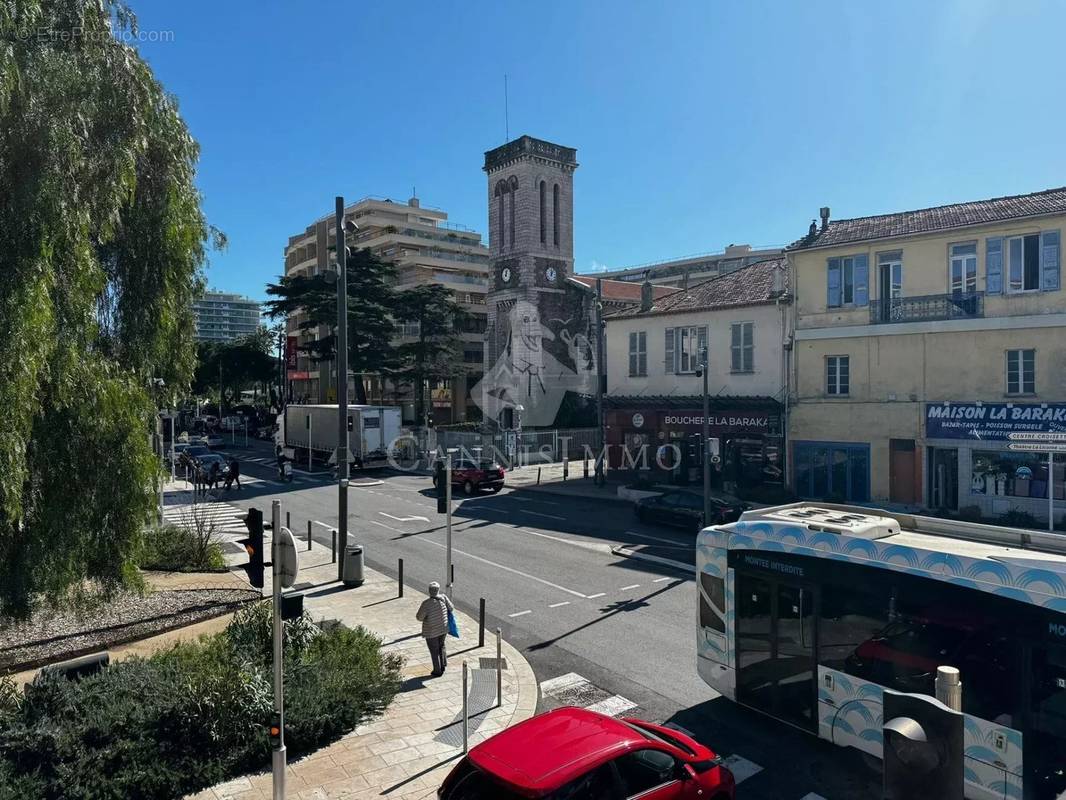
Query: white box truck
(372, 432)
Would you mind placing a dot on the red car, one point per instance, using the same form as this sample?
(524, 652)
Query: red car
(473, 476)
(575, 754)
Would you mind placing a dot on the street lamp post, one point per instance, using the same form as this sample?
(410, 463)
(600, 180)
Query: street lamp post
(706, 444)
(343, 467)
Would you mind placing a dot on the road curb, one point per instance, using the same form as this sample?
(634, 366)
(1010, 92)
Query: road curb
(628, 552)
(559, 492)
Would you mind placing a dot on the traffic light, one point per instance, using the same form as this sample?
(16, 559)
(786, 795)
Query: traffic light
(274, 731)
(440, 480)
(254, 547)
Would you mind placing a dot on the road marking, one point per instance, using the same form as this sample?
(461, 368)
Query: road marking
(594, 596)
(553, 685)
(557, 605)
(631, 586)
(498, 566)
(404, 519)
(597, 548)
(364, 484)
(662, 580)
(538, 514)
(383, 525)
(741, 768)
(521, 613)
(539, 502)
(650, 538)
(612, 706)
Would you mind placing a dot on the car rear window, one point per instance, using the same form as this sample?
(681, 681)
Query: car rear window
(659, 736)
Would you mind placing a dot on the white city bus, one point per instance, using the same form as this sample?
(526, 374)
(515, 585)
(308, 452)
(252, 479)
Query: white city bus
(808, 612)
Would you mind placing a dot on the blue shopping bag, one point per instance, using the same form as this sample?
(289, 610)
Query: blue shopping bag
(453, 627)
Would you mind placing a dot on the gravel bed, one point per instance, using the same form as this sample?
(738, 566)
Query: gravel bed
(54, 636)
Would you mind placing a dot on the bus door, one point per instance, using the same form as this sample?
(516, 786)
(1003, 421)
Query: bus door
(775, 648)
(1045, 729)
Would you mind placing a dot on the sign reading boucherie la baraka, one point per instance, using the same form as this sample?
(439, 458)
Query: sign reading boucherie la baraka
(746, 420)
(992, 421)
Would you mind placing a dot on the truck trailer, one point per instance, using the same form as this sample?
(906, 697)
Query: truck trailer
(372, 431)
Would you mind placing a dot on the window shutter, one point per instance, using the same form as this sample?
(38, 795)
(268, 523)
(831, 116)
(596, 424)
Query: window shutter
(701, 347)
(749, 346)
(994, 265)
(862, 280)
(735, 344)
(670, 350)
(833, 280)
(1049, 261)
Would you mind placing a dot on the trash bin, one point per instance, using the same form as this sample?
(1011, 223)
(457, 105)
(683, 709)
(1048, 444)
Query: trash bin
(353, 565)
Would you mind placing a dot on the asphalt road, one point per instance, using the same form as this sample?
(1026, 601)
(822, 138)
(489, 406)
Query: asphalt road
(544, 566)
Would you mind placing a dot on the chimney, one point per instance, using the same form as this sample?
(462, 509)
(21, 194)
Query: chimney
(778, 286)
(824, 212)
(413, 202)
(647, 296)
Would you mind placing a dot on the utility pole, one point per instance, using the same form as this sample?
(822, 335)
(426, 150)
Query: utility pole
(706, 444)
(283, 368)
(601, 477)
(448, 523)
(278, 755)
(342, 388)
(220, 391)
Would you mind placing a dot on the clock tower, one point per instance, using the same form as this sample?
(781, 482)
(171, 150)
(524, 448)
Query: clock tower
(537, 344)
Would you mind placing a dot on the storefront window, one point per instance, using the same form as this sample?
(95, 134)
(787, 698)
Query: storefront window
(1005, 474)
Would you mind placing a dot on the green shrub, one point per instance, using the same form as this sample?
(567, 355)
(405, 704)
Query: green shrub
(188, 717)
(176, 548)
(251, 633)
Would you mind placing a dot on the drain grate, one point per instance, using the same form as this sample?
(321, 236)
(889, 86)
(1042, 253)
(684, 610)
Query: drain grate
(482, 699)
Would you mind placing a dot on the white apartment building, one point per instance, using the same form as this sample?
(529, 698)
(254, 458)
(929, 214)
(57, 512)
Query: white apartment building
(222, 317)
(426, 248)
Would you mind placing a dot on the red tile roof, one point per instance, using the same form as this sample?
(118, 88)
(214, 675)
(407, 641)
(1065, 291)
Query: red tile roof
(927, 220)
(761, 282)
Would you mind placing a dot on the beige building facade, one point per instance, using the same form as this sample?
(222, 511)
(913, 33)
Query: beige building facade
(922, 341)
(426, 248)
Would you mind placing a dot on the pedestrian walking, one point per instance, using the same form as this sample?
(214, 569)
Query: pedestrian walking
(233, 474)
(433, 614)
(197, 479)
(213, 476)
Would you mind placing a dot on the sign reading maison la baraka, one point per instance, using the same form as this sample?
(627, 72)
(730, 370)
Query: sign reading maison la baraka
(992, 421)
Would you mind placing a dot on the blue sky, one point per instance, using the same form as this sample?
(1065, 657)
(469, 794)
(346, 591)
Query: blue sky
(710, 124)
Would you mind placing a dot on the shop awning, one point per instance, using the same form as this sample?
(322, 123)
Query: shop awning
(717, 402)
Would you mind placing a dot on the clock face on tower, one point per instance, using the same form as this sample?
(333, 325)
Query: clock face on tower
(505, 275)
(550, 274)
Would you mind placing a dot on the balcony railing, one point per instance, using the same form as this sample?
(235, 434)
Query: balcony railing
(927, 308)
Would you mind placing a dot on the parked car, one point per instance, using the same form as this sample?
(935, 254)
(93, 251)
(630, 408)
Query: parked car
(191, 453)
(175, 454)
(214, 440)
(474, 476)
(209, 460)
(582, 755)
(686, 509)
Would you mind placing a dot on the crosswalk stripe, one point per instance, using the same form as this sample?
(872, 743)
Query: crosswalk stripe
(741, 768)
(612, 706)
(553, 685)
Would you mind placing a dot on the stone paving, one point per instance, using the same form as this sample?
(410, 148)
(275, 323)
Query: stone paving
(407, 751)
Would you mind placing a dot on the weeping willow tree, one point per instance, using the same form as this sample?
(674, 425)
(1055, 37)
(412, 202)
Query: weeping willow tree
(102, 242)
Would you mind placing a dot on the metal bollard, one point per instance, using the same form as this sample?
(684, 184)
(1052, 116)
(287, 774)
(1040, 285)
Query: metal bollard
(481, 623)
(288, 520)
(308, 536)
(466, 709)
(453, 575)
(538, 476)
(566, 468)
(333, 532)
(399, 579)
(586, 460)
(499, 670)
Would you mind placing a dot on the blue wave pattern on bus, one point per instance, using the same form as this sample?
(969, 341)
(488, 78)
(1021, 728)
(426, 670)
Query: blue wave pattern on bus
(850, 714)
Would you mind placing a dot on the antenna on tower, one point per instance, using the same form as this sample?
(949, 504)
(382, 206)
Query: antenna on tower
(506, 113)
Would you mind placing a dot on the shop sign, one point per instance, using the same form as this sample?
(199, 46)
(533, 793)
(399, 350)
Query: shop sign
(638, 420)
(992, 421)
(291, 354)
(295, 375)
(744, 420)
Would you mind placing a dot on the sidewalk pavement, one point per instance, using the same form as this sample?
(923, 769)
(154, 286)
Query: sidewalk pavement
(548, 479)
(406, 752)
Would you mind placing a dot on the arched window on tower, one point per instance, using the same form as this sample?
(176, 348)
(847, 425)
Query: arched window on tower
(555, 214)
(543, 213)
(501, 190)
(513, 185)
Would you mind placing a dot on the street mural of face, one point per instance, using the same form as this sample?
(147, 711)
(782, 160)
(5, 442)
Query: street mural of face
(539, 364)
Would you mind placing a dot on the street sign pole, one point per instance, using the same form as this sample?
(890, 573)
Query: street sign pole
(1051, 491)
(448, 523)
(343, 465)
(278, 755)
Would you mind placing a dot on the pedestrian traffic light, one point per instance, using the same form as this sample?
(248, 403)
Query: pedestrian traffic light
(254, 547)
(274, 731)
(440, 480)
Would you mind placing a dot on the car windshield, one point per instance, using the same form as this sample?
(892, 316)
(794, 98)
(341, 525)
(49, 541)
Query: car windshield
(196, 450)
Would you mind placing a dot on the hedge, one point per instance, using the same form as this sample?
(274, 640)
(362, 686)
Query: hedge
(191, 716)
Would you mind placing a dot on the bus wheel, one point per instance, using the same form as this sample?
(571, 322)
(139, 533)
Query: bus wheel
(871, 764)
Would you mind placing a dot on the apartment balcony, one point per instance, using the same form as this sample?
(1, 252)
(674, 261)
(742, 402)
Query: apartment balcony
(928, 308)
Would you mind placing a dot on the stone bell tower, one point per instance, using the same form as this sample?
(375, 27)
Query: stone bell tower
(537, 343)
